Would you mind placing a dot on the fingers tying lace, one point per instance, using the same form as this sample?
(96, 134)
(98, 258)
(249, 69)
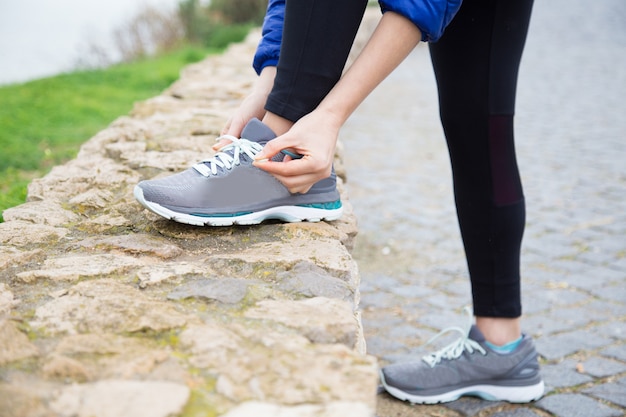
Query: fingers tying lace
(456, 348)
(228, 156)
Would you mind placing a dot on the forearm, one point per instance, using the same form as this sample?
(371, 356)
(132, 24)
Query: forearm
(265, 81)
(253, 106)
(392, 41)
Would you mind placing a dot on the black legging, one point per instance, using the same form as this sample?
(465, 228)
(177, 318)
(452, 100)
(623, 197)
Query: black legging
(476, 64)
(317, 38)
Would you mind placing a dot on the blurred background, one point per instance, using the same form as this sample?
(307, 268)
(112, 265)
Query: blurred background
(68, 68)
(45, 37)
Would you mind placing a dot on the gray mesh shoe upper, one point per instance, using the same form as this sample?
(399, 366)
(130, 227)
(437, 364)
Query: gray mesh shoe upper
(230, 185)
(468, 363)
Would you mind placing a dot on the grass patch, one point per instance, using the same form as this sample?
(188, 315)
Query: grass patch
(44, 122)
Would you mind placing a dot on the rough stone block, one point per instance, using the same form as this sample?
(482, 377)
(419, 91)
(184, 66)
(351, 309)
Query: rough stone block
(120, 398)
(116, 312)
(106, 306)
(14, 345)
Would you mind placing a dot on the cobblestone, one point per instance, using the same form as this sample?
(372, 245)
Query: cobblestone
(472, 407)
(520, 412)
(599, 367)
(576, 405)
(612, 392)
(563, 375)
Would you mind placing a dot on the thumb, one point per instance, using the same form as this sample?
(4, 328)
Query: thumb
(226, 127)
(272, 148)
(235, 127)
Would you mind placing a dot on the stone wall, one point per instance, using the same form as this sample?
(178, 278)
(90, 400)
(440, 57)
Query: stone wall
(109, 310)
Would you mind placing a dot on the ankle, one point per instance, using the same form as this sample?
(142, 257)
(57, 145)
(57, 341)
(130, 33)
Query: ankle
(499, 331)
(278, 124)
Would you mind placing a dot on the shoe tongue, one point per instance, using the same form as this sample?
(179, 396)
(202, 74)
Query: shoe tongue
(476, 335)
(256, 131)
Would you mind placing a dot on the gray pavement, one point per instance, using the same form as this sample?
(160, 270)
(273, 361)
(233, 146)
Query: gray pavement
(571, 143)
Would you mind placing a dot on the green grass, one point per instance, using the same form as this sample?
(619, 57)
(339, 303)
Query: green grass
(44, 122)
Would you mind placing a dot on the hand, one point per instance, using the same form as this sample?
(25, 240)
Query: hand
(314, 136)
(251, 107)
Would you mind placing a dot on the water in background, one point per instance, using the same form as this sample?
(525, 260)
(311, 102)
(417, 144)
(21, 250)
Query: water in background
(39, 38)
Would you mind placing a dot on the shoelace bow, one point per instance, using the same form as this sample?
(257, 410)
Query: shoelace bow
(229, 155)
(456, 348)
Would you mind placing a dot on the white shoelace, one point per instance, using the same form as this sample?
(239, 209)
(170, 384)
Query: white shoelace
(225, 160)
(456, 348)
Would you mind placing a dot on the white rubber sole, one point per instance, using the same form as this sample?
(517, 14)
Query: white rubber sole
(486, 392)
(288, 214)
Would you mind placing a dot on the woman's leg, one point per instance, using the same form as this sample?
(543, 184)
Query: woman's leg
(476, 65)
(317, 38)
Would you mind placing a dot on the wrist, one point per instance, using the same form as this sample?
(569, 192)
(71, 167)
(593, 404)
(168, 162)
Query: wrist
(265, 82)
(334, 113)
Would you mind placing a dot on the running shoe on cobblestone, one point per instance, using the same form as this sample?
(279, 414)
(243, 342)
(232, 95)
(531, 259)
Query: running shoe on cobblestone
(227, 189)
(468, 366)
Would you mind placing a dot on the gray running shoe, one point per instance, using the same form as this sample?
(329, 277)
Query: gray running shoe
(468, 367)
(228, 189)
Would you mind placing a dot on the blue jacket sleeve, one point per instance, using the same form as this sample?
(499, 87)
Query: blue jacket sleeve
(430, 16)
(268, 50)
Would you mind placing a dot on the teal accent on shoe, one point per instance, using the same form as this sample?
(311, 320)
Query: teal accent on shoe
(241, 213)
(333, 205)
(508, 348)
(235, 199)
(291, 154)
(512, 377)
